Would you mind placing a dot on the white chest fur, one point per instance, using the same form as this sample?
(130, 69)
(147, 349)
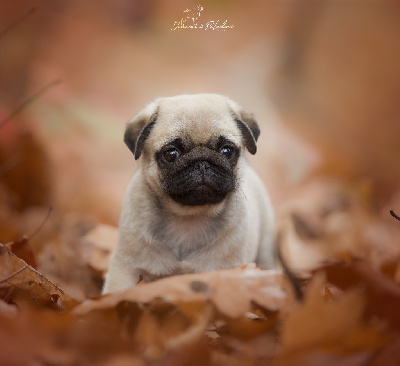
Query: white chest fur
(185, 235)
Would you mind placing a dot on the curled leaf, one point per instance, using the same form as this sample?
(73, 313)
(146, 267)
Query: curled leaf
(20, 283)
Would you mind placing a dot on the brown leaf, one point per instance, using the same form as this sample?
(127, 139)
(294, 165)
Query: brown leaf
(20, 283)
(318, 324)
(389, 268)
(231, 291)
(247, 328)
(23, 250)
(7, 310)
(29, 182)
(322, 358)
(15, 346)
(328, 294)
(389, 356)
(98, 245)
(306, 230)
(167, 319)
(383, 294)
(170, 332)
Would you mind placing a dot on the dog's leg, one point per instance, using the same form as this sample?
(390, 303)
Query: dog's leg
(120, 276)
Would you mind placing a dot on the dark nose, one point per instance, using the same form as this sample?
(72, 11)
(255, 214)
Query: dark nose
(202, 172)
(203, 167)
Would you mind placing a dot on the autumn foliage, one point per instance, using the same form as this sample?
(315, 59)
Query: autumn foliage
(323, 82)
(349, 314)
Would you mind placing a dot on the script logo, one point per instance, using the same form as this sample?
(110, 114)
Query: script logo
(190, 19)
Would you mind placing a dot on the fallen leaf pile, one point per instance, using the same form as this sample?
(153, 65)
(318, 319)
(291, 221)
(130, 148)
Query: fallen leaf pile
(336, 304)
(245, 316)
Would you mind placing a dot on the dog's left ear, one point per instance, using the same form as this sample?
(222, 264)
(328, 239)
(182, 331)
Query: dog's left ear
(247, 125)
(139, 127)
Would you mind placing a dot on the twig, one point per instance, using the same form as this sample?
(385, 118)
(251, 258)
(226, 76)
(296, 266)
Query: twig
(28, 101)
(17, 22)
(41, 225)
(394, 215)
(294, 281)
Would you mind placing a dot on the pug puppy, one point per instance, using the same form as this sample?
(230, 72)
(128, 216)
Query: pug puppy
(194, 205)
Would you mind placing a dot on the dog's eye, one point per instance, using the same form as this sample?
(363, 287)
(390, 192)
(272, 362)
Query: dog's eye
(171, 154)
(226, 150)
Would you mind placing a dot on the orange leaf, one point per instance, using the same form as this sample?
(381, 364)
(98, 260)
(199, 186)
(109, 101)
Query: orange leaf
(20, 283)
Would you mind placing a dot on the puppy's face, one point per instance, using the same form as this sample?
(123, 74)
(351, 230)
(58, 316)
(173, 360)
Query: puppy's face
(194, 173)
(192, 148)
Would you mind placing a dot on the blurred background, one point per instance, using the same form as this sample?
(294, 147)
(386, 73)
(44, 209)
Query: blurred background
(321, 76)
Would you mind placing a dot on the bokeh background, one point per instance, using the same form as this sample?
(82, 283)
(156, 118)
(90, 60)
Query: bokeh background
(321, 76)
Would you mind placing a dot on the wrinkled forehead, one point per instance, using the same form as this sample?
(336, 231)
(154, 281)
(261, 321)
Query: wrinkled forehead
(199, 121)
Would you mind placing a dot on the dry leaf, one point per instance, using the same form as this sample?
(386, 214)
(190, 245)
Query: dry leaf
(247, 328)
(19, 282)
(99, 244)
(168, 319)
(231, 291)
(317, 323)
(23, 250)
(389, 356)
(322, 358)
(383, 294)
(7, 310)
(28, 183)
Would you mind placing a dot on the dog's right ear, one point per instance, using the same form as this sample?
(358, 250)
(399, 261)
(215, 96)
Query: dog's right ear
(247, 125)
(139, 127)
